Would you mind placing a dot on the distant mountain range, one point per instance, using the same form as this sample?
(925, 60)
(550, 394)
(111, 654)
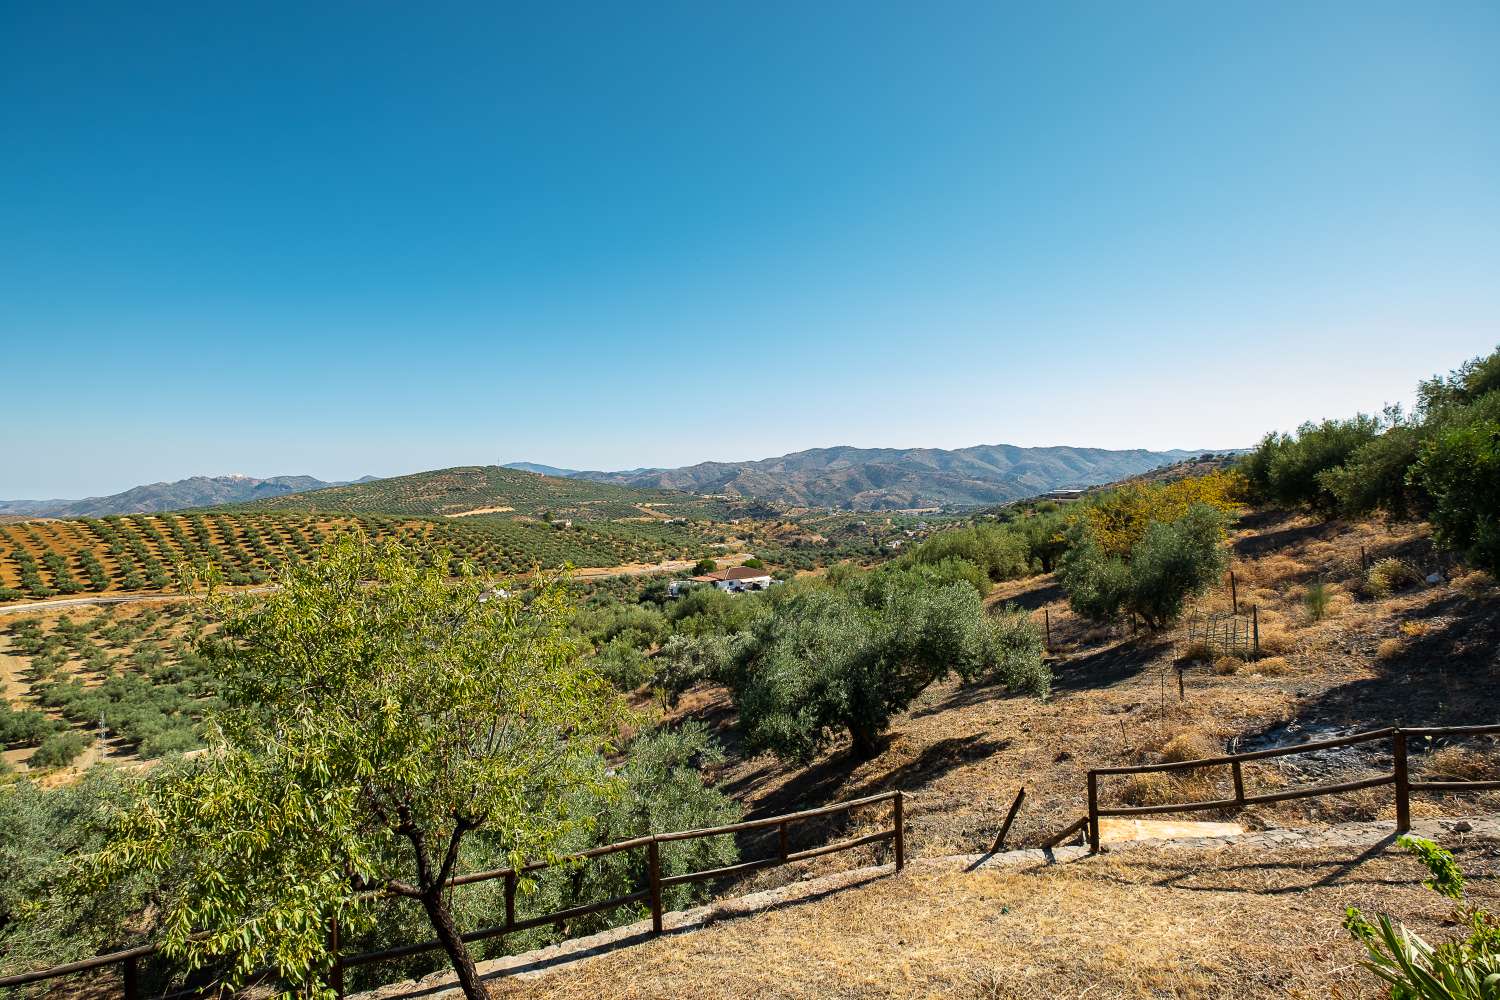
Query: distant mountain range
(199, 491)
(893, 478)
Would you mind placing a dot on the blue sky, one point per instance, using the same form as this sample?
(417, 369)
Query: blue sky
(341, 239)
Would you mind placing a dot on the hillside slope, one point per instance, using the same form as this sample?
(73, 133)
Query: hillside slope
(488, 489)
(893, 478)
(196, 491)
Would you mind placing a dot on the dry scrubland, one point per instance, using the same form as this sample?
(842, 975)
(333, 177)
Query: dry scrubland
(1141, 921)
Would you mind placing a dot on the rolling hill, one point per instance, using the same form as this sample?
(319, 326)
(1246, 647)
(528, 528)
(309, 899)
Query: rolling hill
(197, 491)
(895, 478)
(491, 489)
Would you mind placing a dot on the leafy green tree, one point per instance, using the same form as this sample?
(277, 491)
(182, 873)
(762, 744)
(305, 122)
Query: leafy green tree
(704, 567)
(831, 660)
(1460, 470)
(1284, 468)
(376, 713)
(59, 749)
(1175, 561)
(1376, 475)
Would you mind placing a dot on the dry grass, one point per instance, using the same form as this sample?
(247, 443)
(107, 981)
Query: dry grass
(1388, 576)
(1226, 665)
(1389, 649)
(1270, 666)
(1135, 924)
(1474, 583)
(1460, 764)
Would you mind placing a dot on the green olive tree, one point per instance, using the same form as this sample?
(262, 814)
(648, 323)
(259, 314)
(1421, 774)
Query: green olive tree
(376, 712)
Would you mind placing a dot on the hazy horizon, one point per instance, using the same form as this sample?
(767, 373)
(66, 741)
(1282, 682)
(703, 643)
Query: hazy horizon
(371, 241)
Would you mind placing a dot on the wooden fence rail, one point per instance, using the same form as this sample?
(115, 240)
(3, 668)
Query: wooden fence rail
(129, 959)
(1399, 777)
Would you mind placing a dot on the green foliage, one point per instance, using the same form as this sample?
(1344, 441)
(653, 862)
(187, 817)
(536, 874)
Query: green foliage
(704, 567)
(829, 660)
(1375, 475)
(1172, 562)
(1389, 575)
(754, 563)
(366, 730)
(1285, 468)
(23, 728)
(41, 924)
(1000, 553)
(1460, 470)
(59, 750)
(685, 660)
(1466, 968)
(1317, 600)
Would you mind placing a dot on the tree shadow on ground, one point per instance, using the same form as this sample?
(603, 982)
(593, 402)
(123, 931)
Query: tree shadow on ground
(1448, 674)
(1255, 546)
(1033, 600)
(1108, 666)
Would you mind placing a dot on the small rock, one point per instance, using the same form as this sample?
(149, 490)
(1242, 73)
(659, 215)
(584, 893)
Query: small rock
(1434, 578)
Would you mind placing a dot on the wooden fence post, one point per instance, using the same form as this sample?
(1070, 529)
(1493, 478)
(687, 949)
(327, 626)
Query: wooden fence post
(1255, 627)
(336, 971)
(1093, 812)
(900, 833)
(1403, 783)
(653, 856)
(1047, 620)
(132, 979)
(1234, 594)
(1239, 785)
(510, 899)
(1010, 818)
(781, 836)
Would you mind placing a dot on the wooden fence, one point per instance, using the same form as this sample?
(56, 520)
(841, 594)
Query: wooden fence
(129, 959)
(1399, 777)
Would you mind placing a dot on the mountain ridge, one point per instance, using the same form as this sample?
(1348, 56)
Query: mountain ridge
(181, 494)
(884, 478)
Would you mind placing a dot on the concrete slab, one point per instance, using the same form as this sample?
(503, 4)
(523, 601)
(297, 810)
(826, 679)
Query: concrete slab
(1117, 830)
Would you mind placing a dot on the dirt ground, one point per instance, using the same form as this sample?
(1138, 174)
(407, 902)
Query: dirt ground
(1234, 922)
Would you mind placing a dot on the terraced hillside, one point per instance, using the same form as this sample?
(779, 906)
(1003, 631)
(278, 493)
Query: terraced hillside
(40, 559)
(477, 489)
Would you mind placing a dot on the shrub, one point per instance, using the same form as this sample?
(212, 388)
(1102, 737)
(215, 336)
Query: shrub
(830, 660)
(1226, 665)
(1460, 470)
(1317, 600)
(59, 750)
(1387, 576)
(754, 563)
(686, 660)
(1270, 666)
(1190, 744)
(704, 567)
(1465, 968)
(1389, 649)
(1172, 562)
(1285, 468)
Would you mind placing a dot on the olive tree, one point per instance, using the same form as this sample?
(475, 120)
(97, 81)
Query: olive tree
(375, 713)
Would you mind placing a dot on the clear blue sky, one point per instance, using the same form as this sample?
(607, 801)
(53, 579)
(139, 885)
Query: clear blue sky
(340, 239)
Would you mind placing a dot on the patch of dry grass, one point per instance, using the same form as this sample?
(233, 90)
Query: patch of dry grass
(1389, 649)
(1133, 924)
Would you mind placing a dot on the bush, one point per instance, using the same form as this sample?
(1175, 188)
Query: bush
(1465, 968)
(1317, 599)
(704, 567)
(686, 660)
(25, 728)
(831, 660)
(998, 552)
(59, 750)
(1285, 468)
(1172, 562)
(1389, 575)
(1460, 470)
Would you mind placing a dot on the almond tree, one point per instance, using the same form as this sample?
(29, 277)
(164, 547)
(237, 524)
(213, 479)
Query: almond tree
(376, 713)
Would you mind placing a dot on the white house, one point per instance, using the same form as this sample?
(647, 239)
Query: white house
(737, 578)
